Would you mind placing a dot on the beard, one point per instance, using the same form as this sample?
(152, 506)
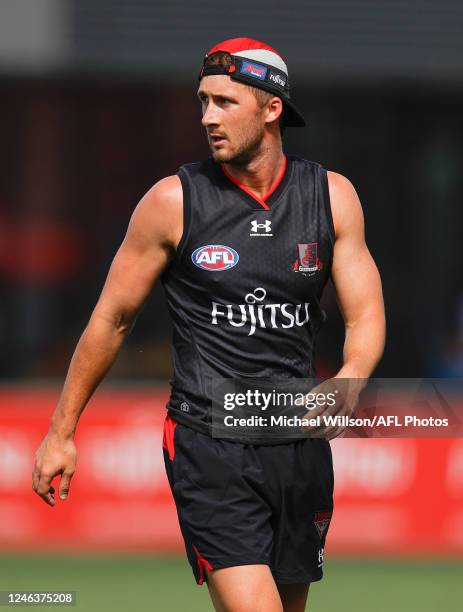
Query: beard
(249, 143)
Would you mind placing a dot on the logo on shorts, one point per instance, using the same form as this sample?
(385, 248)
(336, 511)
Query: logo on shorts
(321, 554)
(307, 262)
(261, 229)
(215, 257)
(322, 521)
(255, 70)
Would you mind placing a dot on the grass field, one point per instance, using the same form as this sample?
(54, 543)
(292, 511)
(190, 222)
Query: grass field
(165, 584)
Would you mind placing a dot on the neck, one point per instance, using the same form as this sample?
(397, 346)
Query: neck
(259, 173)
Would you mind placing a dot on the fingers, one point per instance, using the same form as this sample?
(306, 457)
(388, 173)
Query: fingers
(345, 393)
(324, 399)
(336, 433)
(325, 428)
(326, 431)
(35, 479)
(54, 457)
(44, 488)
(65, 484)
(41, 484)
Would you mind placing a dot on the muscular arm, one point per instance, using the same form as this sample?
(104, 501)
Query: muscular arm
(357, 283)
(152, 236)
(360, 299)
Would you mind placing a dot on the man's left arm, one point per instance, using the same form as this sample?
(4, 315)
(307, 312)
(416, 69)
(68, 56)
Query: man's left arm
(359, 295)
(357, 283)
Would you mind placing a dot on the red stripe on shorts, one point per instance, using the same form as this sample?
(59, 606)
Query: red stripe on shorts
(202, 563)
(168, 436)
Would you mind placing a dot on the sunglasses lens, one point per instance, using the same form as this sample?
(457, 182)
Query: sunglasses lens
(220, 58)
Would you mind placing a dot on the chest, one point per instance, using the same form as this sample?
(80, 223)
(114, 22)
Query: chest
(234, 251)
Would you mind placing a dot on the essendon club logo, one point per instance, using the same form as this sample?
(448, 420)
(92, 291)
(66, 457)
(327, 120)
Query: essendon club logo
(322, 521)
(307, 261)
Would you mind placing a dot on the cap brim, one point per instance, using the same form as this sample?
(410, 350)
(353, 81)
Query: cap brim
(293, 118)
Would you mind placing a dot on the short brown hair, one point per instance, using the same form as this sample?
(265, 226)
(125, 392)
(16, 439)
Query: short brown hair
(263, 98)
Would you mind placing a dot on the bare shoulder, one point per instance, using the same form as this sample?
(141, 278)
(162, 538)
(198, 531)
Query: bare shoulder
(166, 193)
(159, 213)
(345, 204)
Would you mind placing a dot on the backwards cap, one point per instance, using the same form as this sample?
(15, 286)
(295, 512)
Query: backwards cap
(255, 63)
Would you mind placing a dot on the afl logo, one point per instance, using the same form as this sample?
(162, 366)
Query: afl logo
(215, 257)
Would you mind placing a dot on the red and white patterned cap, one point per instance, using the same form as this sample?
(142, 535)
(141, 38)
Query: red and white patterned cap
(255, 63)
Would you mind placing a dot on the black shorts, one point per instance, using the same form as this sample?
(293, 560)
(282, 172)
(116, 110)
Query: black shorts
(240, 504)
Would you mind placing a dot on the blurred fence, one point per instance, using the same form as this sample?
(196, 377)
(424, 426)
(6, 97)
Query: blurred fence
(392, 496)
(98, 103)
(78, 155)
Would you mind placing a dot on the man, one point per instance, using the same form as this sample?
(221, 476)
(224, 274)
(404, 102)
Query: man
(245, 242)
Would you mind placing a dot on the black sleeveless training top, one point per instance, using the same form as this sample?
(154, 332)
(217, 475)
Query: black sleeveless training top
(244, 288)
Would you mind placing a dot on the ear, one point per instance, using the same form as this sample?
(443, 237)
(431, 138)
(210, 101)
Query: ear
(274, 110)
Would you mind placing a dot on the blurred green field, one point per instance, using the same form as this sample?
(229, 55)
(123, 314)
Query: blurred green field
(136, 583)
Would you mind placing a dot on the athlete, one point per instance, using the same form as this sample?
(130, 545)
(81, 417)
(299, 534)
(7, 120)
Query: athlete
(244, 243)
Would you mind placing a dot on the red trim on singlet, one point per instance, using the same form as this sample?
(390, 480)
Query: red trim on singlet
(253, 195)
(168, 436)
(202, 563)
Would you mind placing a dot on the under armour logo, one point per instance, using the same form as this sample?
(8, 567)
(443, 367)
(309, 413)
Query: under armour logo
(320, 557)
(261, 229)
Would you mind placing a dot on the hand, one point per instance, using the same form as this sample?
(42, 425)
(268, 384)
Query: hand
(54, 456)
(345, 392)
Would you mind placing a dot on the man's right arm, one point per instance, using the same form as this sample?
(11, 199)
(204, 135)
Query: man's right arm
(152, 237)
